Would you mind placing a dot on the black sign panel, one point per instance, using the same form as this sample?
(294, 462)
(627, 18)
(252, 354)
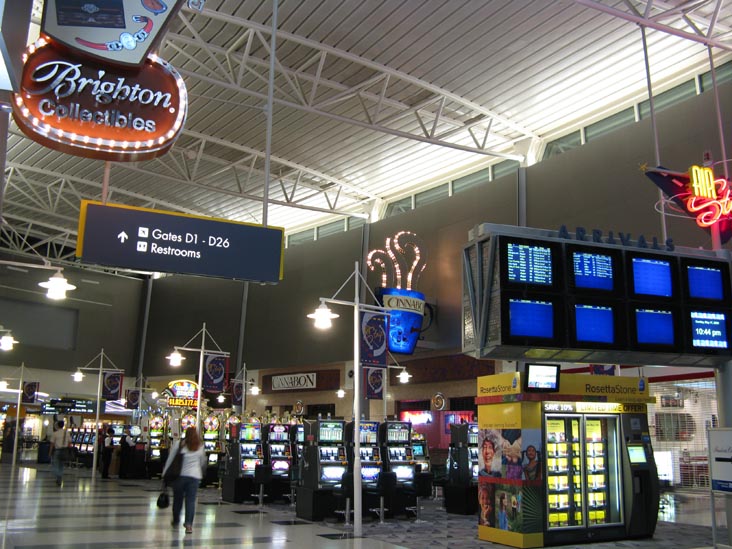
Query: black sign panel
(68, 406)
(153, 240)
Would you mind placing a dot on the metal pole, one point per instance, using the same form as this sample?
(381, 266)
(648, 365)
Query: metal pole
(96, 419)
(357, 526)
(105, 181)
(654, 130)
(270, 101)
(716, 237)
(17, 416)
(143, 341)
(200, 374)
(240, 343)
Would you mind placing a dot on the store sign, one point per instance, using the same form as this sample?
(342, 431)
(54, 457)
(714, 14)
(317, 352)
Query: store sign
(112, 31)
(68, 406)
(182, 394)
(720, 454)
(92, 110)
(290, 382)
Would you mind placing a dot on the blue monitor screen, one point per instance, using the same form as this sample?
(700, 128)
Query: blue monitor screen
(529, 263)
(708, 330)
(531, 318)
(705, 282)
(653, 326)
(594, 323)
(592, 270)
(652, 276)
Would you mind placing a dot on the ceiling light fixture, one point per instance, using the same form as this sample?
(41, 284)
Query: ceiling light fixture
(175, 358)
(6, 341)
(57, 286)
(323, 317)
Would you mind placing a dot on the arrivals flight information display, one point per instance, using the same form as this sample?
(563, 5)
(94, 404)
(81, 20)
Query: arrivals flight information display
(529, 263)
(593, 270)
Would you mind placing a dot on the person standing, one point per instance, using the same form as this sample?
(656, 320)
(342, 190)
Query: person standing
(107, 453)
(191, 473)
(126, 451)
(59, 441)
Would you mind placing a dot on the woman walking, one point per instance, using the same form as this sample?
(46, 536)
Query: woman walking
(191, 473)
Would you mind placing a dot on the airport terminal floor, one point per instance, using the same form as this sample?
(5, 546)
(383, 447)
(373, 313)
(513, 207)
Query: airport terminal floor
(115, 513)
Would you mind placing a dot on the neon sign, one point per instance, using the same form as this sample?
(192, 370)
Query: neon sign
(709, 198)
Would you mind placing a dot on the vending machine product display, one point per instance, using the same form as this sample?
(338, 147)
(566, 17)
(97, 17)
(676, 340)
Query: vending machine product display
(561, 466)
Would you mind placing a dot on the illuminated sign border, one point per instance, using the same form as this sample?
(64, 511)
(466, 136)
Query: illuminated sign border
(86, 144)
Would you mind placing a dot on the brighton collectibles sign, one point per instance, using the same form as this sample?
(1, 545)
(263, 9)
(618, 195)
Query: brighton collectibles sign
(113, 31)
(92, 110)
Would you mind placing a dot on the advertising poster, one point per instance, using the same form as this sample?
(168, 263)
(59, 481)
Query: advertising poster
(112, 386)
(373, 339)
(374, 383)
(720, 463)
(132, 399)
(30, 388)
(237, 393)
(214, 373)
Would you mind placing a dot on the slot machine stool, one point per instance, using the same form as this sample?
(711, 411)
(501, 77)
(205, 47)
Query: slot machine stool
(344, 492)
(262, 477)
(385, 488)
(422, 489)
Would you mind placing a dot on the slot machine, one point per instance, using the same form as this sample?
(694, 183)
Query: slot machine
(278, 449)
(325, 461)
(396, 449)
(77, 436)
(157, 434)
(371, 462)
(117, 436)
(232, 428)
(187, 420)
(211, 444)
(473, 451)
(421, 451)
(87, 442)
(250, 447)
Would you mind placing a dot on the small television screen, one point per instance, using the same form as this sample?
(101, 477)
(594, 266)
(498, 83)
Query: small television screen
(530, 264)
(705, 281)
(594, 270)
(654, 327)
(531, 320)
(369, 473)
(652, 276)
(542, 378)
(708, 330)
(418, 450)
(637, 454)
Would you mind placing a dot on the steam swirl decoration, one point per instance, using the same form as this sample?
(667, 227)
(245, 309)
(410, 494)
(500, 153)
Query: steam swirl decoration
(401, 262)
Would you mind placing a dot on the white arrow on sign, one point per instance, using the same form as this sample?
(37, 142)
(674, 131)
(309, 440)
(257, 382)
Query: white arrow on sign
(122, 237)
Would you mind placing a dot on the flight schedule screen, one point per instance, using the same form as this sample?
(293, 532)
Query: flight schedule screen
(593, 270)
(529, 264)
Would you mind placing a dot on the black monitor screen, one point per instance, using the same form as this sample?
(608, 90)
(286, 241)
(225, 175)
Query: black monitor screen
(652, 276)
(530, 264)
(594, 270)
(705, 281)
(709, 330)
(543, 378)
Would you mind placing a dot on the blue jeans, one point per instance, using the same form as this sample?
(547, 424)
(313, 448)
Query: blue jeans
(57, 466)
(188, 487)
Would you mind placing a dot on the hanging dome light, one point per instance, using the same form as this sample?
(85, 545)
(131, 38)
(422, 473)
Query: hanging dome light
(404, 376)
(57, 286)
(175, 358)
(323, 316)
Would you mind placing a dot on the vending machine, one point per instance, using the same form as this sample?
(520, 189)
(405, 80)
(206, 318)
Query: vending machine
(564, 463)
(278, 450)
(396, 448)
(325, 461)
(250, 447)
(370, 452)
(420, 451)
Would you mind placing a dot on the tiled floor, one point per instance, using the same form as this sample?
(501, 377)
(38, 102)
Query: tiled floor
(37, 514)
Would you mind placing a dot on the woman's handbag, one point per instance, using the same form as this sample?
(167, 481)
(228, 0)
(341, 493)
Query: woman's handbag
(163, 499)
(173, 472)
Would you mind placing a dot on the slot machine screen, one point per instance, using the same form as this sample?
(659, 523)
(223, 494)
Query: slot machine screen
(251, 431)
(331, 431)
(369, 431)
(404, 472)
(418, 450)
(300, 434)
(213, 459)
(249, 464)
(332, 473)
(280, 465)
(155, 452)
(370, 474)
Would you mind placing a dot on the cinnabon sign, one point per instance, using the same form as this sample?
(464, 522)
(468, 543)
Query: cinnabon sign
(97, 111)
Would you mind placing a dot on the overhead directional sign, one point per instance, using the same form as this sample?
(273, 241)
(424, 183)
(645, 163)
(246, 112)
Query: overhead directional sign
(154, 240)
